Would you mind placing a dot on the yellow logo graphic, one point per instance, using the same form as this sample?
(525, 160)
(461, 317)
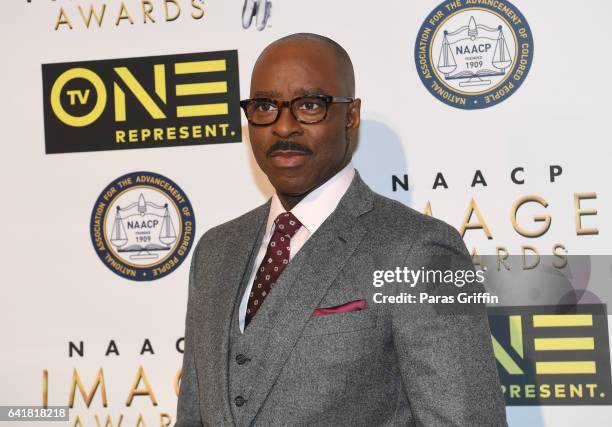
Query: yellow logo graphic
(547, 356)
(145, 99)
(173, 100)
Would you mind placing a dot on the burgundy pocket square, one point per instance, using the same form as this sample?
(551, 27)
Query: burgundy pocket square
(356, 305)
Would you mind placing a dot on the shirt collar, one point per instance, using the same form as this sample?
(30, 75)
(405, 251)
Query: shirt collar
(314, 209)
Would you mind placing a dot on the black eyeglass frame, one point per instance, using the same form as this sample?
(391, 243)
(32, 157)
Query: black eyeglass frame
(288, 104)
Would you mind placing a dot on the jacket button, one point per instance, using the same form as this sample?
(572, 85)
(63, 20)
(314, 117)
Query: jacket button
(239, 400)
(241, 359)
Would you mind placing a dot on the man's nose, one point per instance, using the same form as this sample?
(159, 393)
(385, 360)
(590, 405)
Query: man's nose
(286, 125)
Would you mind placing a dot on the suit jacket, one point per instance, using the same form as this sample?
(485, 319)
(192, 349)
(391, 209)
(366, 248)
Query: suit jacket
(388, 364)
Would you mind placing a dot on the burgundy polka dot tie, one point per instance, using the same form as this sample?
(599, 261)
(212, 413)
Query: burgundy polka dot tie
(273, 263)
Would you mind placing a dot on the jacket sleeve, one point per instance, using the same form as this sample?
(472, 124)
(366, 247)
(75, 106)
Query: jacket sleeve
(188, 409)
(445, 352)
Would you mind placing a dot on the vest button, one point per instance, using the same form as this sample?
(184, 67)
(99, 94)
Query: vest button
(241, 359)
(239, 401)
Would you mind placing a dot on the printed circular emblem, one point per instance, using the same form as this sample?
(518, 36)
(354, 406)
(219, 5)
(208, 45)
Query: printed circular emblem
(142, 226)
(473, 54)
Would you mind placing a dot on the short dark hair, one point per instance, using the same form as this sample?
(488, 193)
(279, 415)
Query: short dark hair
(343, 57)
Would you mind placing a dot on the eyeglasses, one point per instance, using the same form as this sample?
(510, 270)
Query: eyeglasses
(305, 109)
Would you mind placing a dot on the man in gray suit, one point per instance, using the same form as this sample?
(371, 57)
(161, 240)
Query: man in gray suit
(283, 327)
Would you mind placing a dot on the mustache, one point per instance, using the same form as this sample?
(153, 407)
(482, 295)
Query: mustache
(286, 144)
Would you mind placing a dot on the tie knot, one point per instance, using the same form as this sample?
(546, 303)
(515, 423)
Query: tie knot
(287, 224)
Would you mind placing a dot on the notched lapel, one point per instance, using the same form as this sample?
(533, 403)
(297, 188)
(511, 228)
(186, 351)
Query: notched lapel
(225, 274)
(309, 275)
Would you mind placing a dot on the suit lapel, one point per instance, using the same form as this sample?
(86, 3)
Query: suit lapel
(303, 285)
(227, 278)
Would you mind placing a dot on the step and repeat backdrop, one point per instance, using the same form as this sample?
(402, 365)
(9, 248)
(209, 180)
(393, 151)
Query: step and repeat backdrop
(123, 142)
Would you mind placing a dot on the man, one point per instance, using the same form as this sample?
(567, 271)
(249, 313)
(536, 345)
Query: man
(282, 327)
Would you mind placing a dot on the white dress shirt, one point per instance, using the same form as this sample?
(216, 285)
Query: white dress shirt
(311, 211)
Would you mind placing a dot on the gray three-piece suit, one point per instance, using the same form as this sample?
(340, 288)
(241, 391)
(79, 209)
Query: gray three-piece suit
(388, 364)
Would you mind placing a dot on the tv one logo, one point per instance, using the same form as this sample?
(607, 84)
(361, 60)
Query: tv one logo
(160, 101)
(552, 355)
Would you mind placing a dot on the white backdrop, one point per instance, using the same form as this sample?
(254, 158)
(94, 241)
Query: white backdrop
(55, 289)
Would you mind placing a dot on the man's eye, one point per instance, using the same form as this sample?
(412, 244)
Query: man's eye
(265, 107)
(311, 106)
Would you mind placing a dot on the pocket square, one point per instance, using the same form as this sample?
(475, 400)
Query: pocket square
(356, 305)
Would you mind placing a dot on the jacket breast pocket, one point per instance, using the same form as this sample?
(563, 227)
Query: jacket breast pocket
(341, 322)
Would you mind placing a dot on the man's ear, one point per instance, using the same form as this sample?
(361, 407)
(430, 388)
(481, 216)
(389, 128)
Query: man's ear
(353, 115)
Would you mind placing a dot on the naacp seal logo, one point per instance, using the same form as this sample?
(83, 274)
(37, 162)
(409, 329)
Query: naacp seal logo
(474, 54)
(142, 226)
